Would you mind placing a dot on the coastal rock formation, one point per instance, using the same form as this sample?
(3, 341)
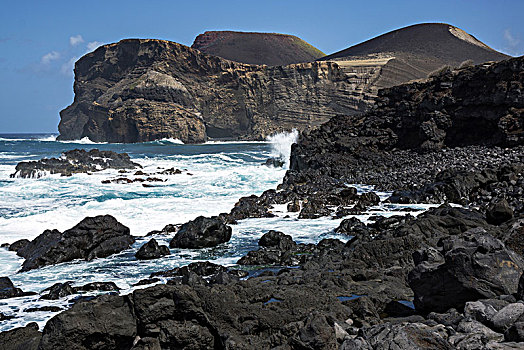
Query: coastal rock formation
(201, 233)
(93, 237)
(142, 90)
(75, 161)
(271, 49)
(342, 297)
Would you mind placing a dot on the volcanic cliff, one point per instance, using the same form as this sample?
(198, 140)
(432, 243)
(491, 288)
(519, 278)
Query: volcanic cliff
(140, 90)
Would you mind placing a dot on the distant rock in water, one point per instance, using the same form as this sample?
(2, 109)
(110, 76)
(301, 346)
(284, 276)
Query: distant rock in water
(75, 161)
(272, 49)
(274, 162)
(94, 237)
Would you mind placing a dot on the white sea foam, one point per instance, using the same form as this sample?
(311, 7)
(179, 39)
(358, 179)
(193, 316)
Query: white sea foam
(281, 144)
(83, 141)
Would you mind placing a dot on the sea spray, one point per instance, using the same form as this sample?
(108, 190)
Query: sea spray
(281, 145)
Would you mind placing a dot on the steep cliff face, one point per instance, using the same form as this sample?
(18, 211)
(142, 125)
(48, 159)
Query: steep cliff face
(272, 49)
(141, 90)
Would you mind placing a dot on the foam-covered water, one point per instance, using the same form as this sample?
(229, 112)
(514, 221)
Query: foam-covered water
(215, 175)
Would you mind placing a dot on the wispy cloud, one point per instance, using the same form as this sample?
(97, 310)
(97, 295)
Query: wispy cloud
(67, 68)
(91, 46)
(512, 42)
(49, 57)
(75, 40)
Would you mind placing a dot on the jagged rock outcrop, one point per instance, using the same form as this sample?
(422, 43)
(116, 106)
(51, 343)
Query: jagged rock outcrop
(93, 237)
(141, 90)
(75, 161)
(271, 49)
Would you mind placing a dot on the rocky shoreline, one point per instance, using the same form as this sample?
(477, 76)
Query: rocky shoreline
(449, 278)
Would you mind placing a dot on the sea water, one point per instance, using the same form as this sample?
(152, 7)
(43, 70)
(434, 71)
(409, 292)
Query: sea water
(214, 176)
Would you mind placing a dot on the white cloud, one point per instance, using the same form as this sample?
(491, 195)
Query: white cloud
(47, 58)
(511, 40)
(512, 43)
(75, 40)
(67, 67)
(91, 46)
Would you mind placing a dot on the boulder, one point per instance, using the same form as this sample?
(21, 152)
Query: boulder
(201, 233)
(8, 290)
(413, 336)
(94, 237)
(507, 316)
(58, 290)
(23, 338)
(106, 322)
(472, 266)
(498, 212)
(276, 239)
(151, 250)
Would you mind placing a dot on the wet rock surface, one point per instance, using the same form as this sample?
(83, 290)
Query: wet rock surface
(75, 161)
(93, 237)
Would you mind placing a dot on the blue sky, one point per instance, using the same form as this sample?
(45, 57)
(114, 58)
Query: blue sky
(40, 40)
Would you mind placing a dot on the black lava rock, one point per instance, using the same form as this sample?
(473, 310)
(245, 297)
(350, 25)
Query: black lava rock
(151, 250)
(201, 233)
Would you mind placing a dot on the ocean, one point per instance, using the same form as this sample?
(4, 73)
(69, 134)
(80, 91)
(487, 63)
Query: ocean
(215, 175)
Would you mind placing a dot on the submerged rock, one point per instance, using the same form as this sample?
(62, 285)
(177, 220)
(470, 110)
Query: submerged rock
(93, 237)
(201, 233)
(75, 161)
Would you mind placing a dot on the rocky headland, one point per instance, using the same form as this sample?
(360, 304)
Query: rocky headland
(140, 90)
